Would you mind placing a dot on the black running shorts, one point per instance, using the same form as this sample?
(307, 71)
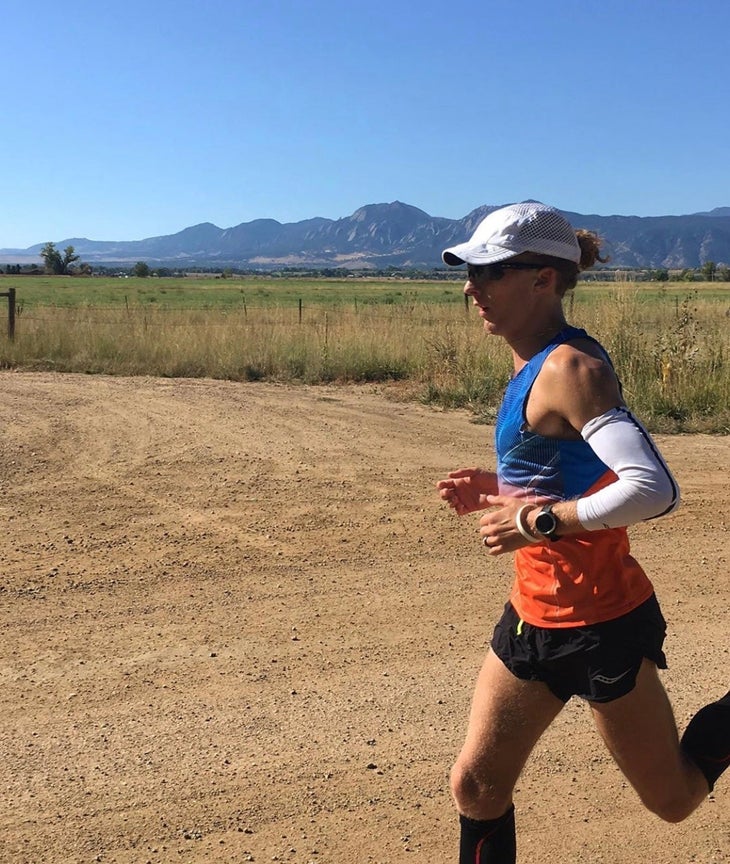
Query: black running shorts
(598, 663)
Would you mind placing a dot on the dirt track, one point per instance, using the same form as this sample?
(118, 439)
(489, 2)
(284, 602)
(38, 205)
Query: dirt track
(238, 625)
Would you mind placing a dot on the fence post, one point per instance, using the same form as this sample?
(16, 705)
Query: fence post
(10, 294)
(300, 310)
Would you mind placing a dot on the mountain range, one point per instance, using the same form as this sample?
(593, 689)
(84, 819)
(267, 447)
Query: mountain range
(379, 236)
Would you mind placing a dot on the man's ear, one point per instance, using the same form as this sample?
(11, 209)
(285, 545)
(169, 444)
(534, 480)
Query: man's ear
(546, 278)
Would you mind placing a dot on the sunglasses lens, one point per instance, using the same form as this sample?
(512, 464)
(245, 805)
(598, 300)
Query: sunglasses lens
(478, 272)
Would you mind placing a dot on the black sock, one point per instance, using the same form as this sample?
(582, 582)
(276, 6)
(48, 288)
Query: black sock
(488, 841)
(707, 739)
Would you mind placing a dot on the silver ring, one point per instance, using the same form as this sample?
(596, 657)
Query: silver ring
(485, 541)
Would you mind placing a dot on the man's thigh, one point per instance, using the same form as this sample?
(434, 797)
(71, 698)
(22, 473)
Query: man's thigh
(640, 732)
(507, 717)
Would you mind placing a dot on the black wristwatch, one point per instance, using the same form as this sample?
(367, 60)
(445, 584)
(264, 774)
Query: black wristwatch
(546, 524)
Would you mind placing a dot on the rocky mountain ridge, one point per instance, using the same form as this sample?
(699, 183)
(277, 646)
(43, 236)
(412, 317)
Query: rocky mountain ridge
(398, 235)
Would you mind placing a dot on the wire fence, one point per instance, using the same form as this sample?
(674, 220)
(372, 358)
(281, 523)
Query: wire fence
(270, 315)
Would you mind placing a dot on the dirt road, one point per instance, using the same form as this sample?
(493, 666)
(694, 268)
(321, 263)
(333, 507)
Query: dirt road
(237, 625)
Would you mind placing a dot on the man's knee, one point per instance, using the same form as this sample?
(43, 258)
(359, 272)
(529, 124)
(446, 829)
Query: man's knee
(476, 794)
(464, 787)
(670, 808)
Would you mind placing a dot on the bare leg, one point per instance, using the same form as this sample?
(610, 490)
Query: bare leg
(507, 718)
(641, 733)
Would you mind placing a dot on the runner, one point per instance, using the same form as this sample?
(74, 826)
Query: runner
(574, 468)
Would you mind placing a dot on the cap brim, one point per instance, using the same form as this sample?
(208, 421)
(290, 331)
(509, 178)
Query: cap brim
(448, 257)
(466, 253)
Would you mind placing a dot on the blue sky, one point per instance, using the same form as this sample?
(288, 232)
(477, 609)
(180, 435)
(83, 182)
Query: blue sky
(129, 120)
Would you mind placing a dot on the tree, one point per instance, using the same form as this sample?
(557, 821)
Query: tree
(59, 265)
(709, 268)
(141, 269)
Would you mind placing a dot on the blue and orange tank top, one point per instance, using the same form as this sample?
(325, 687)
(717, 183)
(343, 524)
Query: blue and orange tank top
(584, 578)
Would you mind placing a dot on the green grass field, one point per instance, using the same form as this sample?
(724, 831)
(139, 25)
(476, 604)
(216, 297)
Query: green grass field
(670, 343)
(206, 292)
(209, 292)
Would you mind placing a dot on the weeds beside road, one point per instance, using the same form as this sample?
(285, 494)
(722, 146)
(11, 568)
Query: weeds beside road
(670, 345)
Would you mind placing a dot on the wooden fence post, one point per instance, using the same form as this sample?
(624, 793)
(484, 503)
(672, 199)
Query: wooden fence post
(10, 294)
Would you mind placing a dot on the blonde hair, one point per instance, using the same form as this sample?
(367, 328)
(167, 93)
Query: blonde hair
(590, 248)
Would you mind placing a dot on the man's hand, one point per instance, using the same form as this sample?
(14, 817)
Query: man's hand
(466, 489)
(498, 528)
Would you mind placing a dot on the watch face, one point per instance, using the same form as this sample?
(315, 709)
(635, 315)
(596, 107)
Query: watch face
(545, 523)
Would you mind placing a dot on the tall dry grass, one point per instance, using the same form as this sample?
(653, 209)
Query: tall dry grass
(671, 356)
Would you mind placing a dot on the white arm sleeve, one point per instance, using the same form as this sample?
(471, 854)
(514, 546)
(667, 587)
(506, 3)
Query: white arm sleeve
(645, 487)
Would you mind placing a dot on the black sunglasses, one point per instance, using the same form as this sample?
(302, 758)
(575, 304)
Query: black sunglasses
(494, 272)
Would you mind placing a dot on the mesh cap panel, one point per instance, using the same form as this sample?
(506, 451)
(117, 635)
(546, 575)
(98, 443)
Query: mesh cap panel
(509, 231)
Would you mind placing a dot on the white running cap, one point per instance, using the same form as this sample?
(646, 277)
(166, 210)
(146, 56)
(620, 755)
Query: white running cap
(509, 231)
